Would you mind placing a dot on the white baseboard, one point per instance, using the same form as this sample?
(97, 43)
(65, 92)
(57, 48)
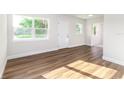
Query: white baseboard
(87, 44)
(29, 53)
(33, 52)
(3, 67)
(95, 46)
(71, 46)
(114, 60)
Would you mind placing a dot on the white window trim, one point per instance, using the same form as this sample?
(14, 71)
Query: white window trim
(81, 31)
(33, 32)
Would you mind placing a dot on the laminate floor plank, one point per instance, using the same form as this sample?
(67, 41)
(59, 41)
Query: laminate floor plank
(83, 62)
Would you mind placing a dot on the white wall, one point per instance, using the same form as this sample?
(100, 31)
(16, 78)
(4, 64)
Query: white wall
(114, 38)
(89, 23)
(24, 48)
(74, 38)
(3, 43)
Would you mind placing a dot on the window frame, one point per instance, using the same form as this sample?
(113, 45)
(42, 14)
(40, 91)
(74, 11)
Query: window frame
(94, 29)
(81, 28)
(33, 29)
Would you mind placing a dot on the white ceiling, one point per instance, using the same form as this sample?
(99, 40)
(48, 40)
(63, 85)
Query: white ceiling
(86, 16)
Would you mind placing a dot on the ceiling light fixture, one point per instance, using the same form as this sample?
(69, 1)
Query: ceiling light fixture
(90, 15)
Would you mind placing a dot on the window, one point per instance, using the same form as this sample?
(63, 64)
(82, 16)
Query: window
(29, 27)
(79, 28)
(94, 29)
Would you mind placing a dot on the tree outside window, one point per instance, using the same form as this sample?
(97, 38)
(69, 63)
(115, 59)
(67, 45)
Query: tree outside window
(29, 27)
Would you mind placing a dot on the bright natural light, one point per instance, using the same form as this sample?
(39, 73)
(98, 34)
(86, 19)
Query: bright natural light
(81, 69)
(79, 28)
(29, 27)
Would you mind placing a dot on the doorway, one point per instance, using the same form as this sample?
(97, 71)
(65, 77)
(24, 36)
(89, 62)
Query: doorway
(97, 35)
(63, 34)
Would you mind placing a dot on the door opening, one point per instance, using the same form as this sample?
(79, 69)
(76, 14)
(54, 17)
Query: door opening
(97, 35)
(63, 34)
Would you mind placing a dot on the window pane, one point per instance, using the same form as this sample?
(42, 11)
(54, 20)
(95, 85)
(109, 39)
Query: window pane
(46, 23)
(79, 28)
(26, 23)
(22, 22)
(40, 33)
(29, 27)
(23, 33)
(39, 23)
(94, 29)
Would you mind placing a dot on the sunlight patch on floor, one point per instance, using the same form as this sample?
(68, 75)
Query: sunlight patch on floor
(90, 68)
(94, 69)
(64, 73)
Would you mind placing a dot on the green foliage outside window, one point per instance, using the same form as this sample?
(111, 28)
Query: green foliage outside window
(27, 25)
(94, 29)
(40, 33)
(39, 23)
(77, 28)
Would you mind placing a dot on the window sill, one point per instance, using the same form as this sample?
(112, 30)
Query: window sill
(28, 40)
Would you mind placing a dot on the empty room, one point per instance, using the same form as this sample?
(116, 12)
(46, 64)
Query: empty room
(61, 46)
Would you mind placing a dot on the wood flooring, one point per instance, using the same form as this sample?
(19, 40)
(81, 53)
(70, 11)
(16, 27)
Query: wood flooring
(83, 62)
